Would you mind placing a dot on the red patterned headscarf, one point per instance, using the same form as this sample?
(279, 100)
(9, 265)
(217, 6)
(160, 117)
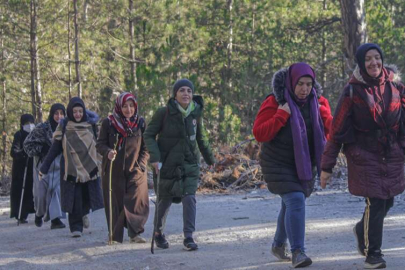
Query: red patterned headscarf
(123, 125)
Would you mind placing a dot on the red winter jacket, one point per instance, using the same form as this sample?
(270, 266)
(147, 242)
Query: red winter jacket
(270, 119)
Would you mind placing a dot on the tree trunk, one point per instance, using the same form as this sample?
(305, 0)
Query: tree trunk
(32, 58)
(323, 53)
(85, 10)
(4, 107)
(4, 133)
(132, 47)
(77, 59)
(69, 54)
(36, 91)
(230, 45)
(354, 29)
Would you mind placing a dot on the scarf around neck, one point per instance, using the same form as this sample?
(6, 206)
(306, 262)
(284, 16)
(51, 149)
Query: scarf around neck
(123, 125)
(299, 131)
(186, 112)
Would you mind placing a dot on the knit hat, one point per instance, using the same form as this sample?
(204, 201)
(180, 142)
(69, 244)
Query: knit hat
(361, 54)
(180, 83)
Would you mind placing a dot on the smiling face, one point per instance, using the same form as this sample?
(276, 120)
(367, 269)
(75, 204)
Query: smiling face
(184, 96)
(58, 115)
(373, 63)
(128, 109)
(78, 113)
(303, 87)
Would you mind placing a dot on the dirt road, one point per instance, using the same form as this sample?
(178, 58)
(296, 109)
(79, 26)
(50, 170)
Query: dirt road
(233, 232)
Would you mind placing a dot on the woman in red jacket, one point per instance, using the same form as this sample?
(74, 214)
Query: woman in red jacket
(292, 124)
(368, 123)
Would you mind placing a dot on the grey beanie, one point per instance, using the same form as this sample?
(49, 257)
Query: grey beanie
(180, 83)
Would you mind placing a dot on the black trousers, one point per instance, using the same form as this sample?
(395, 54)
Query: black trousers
(81, 207)
(370, 227)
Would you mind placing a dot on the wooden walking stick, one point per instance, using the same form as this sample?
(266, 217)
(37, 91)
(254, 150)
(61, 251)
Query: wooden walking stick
(152, 246)
(22, 191)
(110, 236)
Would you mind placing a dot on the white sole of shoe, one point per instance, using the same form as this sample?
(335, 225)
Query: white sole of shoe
(375, 266)
(189, 249)
(76, 234)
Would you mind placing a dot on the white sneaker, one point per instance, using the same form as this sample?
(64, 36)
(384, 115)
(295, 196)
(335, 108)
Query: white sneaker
(86, 221)
(76, 234)
(137, 240)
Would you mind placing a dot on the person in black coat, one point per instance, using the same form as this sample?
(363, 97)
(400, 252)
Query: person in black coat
(22, 165)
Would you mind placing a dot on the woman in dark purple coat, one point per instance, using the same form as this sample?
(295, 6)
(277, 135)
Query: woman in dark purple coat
(368, 123)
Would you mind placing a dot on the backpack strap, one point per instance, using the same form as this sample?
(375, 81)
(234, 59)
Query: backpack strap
(164, 119)
(141, 124)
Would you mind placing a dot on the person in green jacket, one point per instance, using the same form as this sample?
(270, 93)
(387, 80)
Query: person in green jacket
(173, 138)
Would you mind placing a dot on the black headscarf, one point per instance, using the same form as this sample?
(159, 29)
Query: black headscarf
(361, 55)
(76, 102)
(23, 120)
(26, 118)
(54, 108)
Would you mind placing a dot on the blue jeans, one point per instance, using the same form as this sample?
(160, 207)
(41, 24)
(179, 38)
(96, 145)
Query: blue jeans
(291, 221)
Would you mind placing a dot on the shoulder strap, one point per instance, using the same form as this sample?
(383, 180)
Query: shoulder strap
(94, 127)
(142, 124)
(351, 91)
(164, 119)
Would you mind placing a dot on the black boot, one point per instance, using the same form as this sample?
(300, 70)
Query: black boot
(375, 261)
(38, 221)
(57, 224)
(189, 244)
(161, 241)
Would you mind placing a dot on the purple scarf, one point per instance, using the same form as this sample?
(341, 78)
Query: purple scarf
(299, 131)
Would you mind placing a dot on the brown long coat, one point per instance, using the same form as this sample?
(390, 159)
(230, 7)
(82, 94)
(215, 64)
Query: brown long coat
(130, 199)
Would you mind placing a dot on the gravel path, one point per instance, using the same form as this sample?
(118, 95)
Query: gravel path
(233, 232)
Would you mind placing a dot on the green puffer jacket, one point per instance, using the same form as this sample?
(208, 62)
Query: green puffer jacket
(176, 148)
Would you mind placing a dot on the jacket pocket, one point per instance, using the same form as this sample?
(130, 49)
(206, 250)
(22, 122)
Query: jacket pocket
(171, 180)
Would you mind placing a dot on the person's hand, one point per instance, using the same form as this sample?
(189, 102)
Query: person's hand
(40, 175)
(112, 154)
(325, 178)
(285, 108)
(155, 165)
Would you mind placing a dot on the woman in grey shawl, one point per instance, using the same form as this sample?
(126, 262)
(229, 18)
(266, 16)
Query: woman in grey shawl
(47, 191)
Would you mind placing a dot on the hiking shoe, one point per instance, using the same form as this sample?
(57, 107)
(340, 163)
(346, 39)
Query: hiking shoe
(161, 241)
(299, 259)
(86, 221)
(360, 246)
(76, 234)
(57, 224)
(375, 261)
(189, 244)
(137, 240)
(38, 221)
(281, 252)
